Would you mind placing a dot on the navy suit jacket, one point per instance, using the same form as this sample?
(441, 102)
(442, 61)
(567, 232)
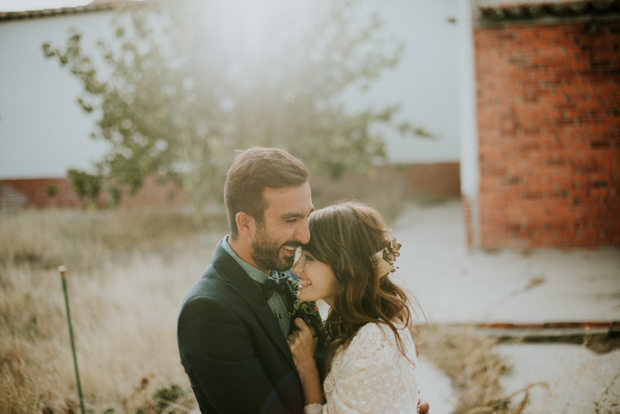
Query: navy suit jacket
(232, 347)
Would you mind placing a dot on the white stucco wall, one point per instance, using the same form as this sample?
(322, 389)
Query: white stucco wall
(468, 131)
(43, 132)
(425, 83)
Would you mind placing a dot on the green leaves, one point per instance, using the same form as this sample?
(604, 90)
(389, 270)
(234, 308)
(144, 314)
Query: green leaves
(191, 81)
(86, 186)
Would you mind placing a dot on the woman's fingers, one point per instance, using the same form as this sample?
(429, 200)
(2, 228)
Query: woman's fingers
(303, 326)
(301, 342)
(423, 406)
(293, 337)
(300, 324)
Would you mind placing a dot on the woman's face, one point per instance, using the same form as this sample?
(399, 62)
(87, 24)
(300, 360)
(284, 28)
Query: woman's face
(316, 279)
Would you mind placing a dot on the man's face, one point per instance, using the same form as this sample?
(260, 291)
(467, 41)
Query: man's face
(284, 227)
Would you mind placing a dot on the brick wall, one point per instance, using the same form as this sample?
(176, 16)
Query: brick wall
(417, 180)
(37, 193)
(467, 219)
(58, 193)
(412, 181)
(549, 134)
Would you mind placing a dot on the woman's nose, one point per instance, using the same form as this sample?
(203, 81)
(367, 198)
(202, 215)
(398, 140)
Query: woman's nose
(298, 265)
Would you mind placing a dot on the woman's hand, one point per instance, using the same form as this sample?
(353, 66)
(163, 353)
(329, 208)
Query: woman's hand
(423, 406)
(302, 343)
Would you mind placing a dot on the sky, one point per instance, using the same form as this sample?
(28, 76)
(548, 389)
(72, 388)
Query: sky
(21, 5)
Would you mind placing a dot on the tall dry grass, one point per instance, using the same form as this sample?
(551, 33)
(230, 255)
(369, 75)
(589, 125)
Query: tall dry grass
(49, 238)
(474, 368)
(127, 274)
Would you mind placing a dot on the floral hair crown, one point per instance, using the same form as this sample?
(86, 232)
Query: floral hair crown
(384, 259)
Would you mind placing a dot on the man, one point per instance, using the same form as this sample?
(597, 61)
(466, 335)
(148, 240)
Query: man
(233, 323)
(231, 333)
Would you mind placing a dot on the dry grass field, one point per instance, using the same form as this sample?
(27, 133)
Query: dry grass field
(474, 369)
(127, 274)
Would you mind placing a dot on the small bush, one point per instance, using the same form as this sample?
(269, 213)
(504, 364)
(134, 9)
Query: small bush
(473, 368)
(169, 399)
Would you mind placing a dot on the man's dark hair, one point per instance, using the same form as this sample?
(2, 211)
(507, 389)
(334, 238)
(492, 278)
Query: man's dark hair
(254, 170)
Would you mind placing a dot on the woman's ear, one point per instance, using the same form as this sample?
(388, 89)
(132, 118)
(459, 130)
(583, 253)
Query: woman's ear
(246, 225)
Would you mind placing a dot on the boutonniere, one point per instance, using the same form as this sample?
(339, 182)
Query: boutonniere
(308, 311)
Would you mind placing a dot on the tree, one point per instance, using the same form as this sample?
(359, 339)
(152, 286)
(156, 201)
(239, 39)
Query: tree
(188, 82)
(86, 186)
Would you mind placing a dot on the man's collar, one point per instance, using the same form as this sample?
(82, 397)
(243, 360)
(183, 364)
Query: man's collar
(254, 272)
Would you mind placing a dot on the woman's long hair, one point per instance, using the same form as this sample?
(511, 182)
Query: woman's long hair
(345, 236)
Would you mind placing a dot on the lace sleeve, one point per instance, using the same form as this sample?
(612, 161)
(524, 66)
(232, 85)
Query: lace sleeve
(372, 375)
(313, 409)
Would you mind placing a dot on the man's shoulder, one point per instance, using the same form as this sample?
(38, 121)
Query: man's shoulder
(218, 279)
(208, 285)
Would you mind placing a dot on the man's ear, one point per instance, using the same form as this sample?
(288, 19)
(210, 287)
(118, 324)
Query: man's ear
(246, 225)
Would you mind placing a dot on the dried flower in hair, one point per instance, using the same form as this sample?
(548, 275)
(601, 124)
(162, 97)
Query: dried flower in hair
(390, 252)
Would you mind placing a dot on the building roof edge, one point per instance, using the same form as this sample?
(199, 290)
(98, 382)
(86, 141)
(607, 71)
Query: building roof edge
(95, 6)
(525, 11)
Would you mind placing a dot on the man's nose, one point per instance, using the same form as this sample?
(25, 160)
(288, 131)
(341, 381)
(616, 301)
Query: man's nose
(303, 232)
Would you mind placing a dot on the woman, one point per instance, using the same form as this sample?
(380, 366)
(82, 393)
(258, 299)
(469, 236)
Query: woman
(371, 357)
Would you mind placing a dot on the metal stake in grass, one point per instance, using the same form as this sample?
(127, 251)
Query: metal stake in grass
(62, 269)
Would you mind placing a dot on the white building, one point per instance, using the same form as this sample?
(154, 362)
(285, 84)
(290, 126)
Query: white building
(43, 131)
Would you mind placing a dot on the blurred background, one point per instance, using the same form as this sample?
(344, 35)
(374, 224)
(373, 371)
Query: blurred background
(486, 132)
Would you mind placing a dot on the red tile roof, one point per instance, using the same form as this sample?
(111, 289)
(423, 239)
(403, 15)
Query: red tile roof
(530, 10)
(95, 6)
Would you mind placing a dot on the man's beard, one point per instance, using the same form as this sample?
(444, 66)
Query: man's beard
(266, 252)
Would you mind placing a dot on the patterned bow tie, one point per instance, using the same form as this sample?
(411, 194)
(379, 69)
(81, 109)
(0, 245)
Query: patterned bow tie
(275, 283)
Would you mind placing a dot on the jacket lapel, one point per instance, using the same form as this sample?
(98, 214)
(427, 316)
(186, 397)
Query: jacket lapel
(238, 280)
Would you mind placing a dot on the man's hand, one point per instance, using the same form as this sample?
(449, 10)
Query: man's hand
(302, 342)
(423, 406)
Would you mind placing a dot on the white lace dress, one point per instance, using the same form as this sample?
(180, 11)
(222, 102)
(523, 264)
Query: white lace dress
(371, 375)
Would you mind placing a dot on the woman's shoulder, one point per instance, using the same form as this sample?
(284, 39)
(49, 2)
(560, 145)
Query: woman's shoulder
(374, 328)
(377, 336)
(381, 328)
(374, 344)
(374, 334)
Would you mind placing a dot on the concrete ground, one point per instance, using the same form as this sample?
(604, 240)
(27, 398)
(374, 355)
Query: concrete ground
(454, 285)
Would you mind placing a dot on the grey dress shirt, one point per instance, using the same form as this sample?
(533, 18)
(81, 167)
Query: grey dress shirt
(276, 301)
